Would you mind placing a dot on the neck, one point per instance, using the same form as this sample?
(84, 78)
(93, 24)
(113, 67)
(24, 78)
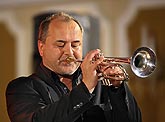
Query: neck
(67, 81)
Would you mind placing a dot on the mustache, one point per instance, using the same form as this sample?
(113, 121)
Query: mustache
(67, 59)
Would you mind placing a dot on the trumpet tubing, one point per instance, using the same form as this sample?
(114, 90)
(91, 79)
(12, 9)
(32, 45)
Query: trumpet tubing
(117, 60)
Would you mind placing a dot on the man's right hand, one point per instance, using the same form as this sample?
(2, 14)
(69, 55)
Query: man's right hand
(89, 67)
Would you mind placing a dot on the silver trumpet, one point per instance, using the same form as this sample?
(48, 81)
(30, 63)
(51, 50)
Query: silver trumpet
(142, 62)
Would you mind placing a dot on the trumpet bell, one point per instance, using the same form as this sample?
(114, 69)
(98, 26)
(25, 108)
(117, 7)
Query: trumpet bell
(143, 62)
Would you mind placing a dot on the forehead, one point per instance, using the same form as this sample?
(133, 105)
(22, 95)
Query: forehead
(62, 17)
(64, 27)
(58, 24)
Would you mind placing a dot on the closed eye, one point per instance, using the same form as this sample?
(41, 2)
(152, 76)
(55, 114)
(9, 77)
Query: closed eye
(76, 44)
(60, 43)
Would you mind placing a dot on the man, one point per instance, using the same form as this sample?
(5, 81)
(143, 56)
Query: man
(69, 91)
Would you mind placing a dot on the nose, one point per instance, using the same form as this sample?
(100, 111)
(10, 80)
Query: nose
(68, 50)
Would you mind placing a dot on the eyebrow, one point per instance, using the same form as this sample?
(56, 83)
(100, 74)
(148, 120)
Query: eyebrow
(76, 41)
(60, 41)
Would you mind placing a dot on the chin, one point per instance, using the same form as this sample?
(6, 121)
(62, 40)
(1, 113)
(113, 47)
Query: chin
(69, 71)
(66, 69)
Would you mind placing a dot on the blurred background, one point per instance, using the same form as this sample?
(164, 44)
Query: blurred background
(117, 27)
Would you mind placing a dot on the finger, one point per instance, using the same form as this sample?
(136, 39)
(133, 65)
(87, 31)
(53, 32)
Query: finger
(92, 53)
(100, 59)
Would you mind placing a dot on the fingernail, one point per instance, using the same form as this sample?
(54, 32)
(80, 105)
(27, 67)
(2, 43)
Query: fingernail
(98, 49)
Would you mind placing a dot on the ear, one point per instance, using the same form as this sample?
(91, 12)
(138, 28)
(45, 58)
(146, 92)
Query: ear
(40, 47)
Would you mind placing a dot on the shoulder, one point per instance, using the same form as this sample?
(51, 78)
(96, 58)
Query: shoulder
(29, 84)
(19, 83)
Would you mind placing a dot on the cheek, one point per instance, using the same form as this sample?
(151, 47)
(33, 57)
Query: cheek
(51, 53)
(78, 54)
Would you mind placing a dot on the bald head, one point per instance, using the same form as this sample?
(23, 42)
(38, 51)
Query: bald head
(60, 16)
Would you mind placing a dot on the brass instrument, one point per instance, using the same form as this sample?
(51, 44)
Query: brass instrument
(142, 62)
